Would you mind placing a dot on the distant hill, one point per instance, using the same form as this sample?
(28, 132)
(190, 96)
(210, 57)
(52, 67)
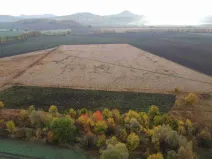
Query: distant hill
(125, 18)
(43, 16)
(207, 21)
(42, 24)
(8, 18)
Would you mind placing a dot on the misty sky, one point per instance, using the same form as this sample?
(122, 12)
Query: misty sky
(185, 12)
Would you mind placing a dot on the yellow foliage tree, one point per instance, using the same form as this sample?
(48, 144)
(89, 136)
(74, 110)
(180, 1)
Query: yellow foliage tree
(155, 156)
(107, 113)
(1, 104)
(53, 109)
(11, 127)
(100, 127)
(191, 99)
(133, 141)
(72, 113)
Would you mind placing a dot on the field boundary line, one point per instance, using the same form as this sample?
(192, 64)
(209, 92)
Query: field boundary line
(28, 67)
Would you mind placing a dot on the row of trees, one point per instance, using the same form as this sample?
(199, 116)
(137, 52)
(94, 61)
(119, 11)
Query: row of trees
(31, 34)
(114, 134)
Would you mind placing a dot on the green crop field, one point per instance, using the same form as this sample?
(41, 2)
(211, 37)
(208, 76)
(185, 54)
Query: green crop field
(64, 98)
(15, 149)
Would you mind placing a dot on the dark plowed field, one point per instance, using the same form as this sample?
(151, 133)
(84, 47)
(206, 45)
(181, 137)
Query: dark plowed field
(191, 50)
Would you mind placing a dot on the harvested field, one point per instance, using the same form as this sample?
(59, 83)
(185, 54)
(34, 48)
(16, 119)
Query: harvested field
(11, 67)
(116, 67)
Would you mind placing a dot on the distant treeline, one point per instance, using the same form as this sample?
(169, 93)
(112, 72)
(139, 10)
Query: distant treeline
(31, 34)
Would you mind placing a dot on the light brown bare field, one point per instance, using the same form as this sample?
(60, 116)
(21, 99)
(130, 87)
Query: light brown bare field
(118, 67)
(10, 67)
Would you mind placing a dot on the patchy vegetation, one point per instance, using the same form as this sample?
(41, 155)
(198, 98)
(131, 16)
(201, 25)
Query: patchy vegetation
(154, 135)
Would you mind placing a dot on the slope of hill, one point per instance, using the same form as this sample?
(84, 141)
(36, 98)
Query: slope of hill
(42, 24)
(8, 18)
(125, 18)
(43, 16)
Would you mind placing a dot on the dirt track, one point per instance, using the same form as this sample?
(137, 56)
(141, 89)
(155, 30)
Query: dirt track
(104, 67)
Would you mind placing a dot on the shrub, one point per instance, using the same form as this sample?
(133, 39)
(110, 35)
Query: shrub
(133, 114)
(132, 141)
(181, 129)
(153, 111)
(24, 120)
(134, 125)
(53, 109)
(116, 115)
(31, 108)
(171, 155)
(29, 133)
(63, 129)
(82, 111)
(162, 119)
(24, 115)
(204, 139)
(155, 156)
(85, 122)
(189, 128)
(46, 119)
(50, 137)
(186, 151)
(100, 127)
(174, 124)
(191, 99)
(111, 122)
(113, 140)
(1, 105)
(35, 118)
(122, 135)
(101, 140)
(117, 151)
(19, 133)
(163, 137)
(107, 113)
(172, 139)
(11, 127)
(88, 141)
(72, 113)
(38, 133)
(144, 119)
(176, 90)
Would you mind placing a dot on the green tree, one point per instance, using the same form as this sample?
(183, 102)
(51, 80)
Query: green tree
(63, 129)
(117, 151)
(100, 127)
(153, 111)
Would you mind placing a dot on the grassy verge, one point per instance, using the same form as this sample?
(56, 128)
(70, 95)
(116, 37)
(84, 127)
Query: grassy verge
(64, 98)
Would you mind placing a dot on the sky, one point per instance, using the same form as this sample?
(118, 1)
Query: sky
(176, 12)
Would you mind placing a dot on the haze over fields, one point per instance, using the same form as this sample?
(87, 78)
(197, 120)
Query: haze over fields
(163, 12)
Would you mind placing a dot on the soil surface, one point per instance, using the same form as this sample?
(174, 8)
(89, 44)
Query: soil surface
(118, 67)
